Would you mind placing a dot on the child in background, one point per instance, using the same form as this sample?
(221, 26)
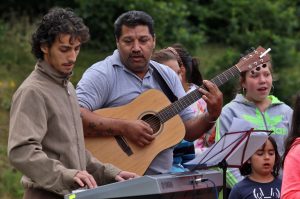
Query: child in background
(255, 104)
(261, 174)
(191, 80)
(184, 151)
(186, 67)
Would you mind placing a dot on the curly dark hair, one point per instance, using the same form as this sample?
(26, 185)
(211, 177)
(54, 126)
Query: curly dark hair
(131, 19)
(58, 21)
(246, 168)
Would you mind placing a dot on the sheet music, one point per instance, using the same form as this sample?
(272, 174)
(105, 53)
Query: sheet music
(235, 147)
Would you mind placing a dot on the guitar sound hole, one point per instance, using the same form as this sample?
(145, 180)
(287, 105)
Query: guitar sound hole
(153, 121)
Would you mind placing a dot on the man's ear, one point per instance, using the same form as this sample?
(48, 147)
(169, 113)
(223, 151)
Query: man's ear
(154, 42)
(44, 48)
(117, 42)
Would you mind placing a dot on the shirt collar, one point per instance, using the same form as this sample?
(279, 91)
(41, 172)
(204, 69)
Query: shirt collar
(116, 62)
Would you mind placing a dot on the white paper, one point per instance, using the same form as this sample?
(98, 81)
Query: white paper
(232, 147)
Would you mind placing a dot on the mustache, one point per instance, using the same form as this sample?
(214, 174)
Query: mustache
(136, 54)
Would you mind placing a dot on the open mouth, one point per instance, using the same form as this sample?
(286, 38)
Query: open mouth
(266, 165)
(263, 89)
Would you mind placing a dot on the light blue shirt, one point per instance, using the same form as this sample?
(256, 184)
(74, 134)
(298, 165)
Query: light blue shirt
(108, 83)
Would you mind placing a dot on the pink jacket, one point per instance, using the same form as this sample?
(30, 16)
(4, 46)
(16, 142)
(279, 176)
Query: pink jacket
(291, 173)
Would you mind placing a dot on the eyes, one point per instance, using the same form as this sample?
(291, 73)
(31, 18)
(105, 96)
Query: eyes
(65, 49)
(141, 40)
(261, 153)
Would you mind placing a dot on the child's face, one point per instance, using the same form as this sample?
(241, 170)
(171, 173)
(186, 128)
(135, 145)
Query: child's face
(263, 160)
(258, 83)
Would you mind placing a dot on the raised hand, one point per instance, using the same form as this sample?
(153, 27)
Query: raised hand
(213, 98)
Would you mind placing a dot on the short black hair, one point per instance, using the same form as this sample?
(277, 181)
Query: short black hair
(58, 21)
(133, 18)
(246, 168)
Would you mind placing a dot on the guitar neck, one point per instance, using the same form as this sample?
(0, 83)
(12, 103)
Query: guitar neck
(182, 103)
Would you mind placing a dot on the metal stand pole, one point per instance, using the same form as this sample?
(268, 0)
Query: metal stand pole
(224, 166)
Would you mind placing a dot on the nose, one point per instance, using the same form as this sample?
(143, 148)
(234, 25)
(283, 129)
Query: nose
(72, 56)
(136, 46)
(262, 79)
(266, 156)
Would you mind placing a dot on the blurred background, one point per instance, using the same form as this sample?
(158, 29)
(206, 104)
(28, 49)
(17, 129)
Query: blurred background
(216, 32)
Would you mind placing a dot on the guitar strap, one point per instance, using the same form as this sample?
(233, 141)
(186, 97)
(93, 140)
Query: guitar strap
(163, 85)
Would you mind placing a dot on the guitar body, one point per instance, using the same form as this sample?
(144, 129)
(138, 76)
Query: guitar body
(107, 150)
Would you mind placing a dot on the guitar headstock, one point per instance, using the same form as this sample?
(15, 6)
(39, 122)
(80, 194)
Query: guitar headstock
(252, 60)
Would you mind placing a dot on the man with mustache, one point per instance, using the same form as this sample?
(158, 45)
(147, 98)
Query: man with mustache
(45, 132)
(127, 73)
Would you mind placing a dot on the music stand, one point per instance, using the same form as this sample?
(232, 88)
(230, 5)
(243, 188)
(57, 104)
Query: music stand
(232, 150)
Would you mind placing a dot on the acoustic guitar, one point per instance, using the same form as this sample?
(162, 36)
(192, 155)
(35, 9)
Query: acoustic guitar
(155, 108)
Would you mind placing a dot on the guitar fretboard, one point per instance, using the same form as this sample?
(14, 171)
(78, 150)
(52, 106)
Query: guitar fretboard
(182, 103)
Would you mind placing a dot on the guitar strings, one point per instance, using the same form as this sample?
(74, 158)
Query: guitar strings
(174, 108)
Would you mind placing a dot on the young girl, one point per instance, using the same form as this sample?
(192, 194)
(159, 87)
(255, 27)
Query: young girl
(186, 67)
(291, 158)
(261, 172)
(259, 108)
(185, 150)
(191, 80)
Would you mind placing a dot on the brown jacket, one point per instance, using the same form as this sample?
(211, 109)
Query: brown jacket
(46, 140)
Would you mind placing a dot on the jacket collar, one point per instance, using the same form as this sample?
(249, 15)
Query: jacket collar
(48, 70)
(241, 99)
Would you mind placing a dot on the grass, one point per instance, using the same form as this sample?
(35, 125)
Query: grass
(9, 177)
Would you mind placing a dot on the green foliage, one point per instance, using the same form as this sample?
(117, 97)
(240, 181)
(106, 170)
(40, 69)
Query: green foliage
(226, 60)
(251, 23)
(288, 84)
(30, 8)
(169, 16)
(15, 57)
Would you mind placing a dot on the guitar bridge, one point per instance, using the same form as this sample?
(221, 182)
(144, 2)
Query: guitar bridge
(123, 144)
